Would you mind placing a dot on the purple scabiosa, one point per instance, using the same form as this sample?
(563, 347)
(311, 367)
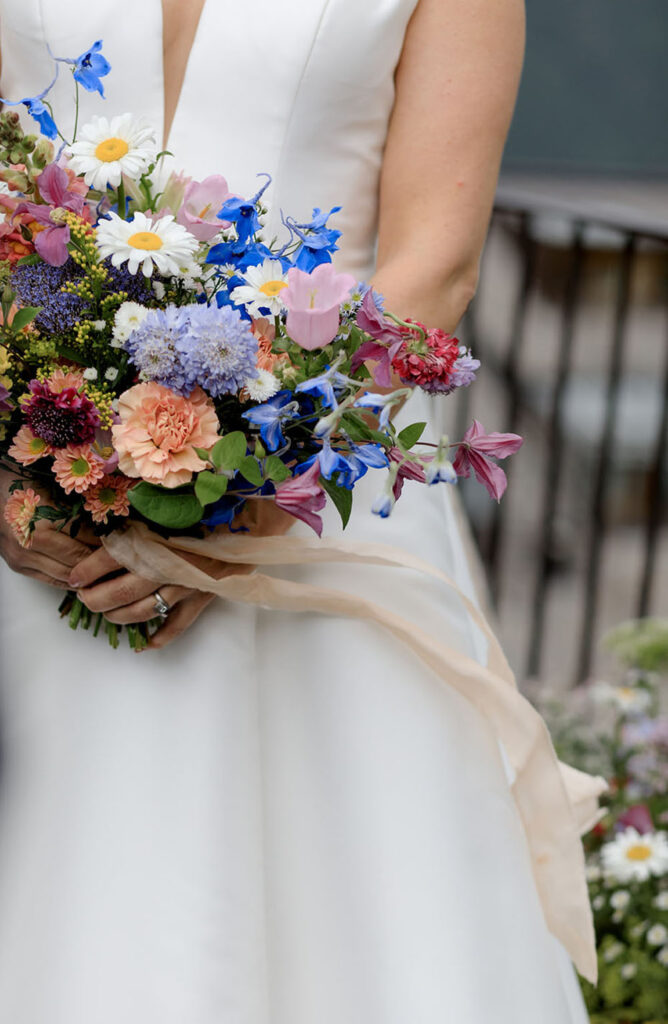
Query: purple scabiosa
(464, 370)
(218, 350)
(60, 418)
(154, 347)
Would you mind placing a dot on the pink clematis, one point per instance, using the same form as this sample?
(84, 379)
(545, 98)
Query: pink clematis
(407, 471)
(201, 202)
(303, 497)
(638, 816)
(476, 452)
(387, 340)
(313, 303)
(60, 196)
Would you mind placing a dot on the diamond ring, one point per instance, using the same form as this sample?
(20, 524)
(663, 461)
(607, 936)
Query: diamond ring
(160, 607)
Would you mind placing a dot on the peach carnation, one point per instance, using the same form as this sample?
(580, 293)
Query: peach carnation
(77, 468)
(265, 334)
(109, 496)
(28, 448)
(159, 431)
(19, 513)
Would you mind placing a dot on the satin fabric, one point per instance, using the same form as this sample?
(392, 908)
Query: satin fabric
(282, 819)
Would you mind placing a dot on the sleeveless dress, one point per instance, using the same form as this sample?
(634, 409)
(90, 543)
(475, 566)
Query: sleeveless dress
(280, 819)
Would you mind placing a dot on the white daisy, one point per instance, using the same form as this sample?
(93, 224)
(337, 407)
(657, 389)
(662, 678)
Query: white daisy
(662, 956)
(263, 289)
(141, 242)
(634, 855)
(629, 700)
(620, 899)
(661, 901)
(106, 150)
(262, 387)
(613, 951)
(593, 872)
(128, 317)
(628, 971)
(657, 935)
(598, 902)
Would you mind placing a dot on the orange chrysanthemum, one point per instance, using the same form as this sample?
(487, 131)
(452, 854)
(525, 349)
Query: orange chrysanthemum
(108, 497)
(19, 513)
(77, 468)
(28, 448)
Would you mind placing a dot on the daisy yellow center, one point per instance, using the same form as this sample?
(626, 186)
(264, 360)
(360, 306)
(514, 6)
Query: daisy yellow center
(80, 467)
(638, 852)
(36, 445)
(625, 692)
(111, 149)
(272, 288)
(145, 240)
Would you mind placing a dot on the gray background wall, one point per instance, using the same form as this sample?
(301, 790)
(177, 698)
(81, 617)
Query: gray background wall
(594, 92)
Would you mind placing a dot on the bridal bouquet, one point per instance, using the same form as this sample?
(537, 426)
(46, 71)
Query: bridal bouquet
(162, 360)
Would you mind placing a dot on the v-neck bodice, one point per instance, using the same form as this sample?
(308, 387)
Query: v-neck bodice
(302, 90)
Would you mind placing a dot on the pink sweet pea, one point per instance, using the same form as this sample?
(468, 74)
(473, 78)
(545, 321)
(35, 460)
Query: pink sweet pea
(201, 202)
(313, 302)
(55, 188)
(476, 452)
(303, 497)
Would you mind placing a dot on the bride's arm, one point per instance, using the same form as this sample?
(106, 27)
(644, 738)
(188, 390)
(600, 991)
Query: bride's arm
(456, 87)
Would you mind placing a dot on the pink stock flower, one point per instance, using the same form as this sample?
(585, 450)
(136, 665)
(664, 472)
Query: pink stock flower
(313, 301)
(201, 202)
(476, 452)
(159, 431)
(303, 497)
(19, 513)
(55, 188)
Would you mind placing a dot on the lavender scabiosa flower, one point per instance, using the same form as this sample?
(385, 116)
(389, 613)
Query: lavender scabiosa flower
(464, 370)
(218, 351)
(154, 347)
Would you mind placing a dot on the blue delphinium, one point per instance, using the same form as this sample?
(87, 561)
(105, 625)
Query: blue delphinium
(38, 109)
(153, 347)
(217, 350)
(317, 242)
(270, 416)
(90, 67)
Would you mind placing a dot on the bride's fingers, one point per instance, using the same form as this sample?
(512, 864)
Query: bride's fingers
(91, 568)
(180, 619)
(35, 574)
(111, 595)
(57, 572)
(144, 610)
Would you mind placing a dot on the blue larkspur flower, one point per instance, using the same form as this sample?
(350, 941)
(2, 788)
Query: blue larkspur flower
(325, 386)
(90, 67)
(317, 242)
(218, 351)
(345, 468)
(271, 415)
(153, 347)
(38, 109)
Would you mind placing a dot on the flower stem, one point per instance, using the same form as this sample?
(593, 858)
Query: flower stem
(121, 199)
(406, 323)
(76, 110)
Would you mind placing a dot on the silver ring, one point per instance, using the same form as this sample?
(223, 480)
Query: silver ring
(160, 607)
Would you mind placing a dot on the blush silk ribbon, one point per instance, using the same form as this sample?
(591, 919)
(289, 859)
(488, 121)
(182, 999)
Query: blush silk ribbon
(556, 802)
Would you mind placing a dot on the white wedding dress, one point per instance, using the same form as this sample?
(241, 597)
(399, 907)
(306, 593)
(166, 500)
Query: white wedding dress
(282, 818)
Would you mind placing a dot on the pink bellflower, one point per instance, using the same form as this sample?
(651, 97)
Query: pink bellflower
(313, 303)
(303, 497)
(477, 451)
(201, 202)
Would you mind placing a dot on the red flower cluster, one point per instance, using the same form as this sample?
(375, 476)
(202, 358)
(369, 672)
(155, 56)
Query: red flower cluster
(426, 363)
(62, 418)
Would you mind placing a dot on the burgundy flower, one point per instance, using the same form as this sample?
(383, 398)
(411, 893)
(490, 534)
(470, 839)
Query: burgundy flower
(59, 197)
(303, 497)
(638, 816)
(60, 418)
(407, 471)
(427, 363)
(476, 452)
(387, 341)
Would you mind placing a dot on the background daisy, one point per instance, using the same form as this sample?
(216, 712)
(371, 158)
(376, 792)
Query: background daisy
(106, 150)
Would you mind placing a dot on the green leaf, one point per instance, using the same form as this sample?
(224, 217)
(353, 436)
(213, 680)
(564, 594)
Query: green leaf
(355, 426)
(275, 469)
(209, 487)
(411, 435)
(24, 316)
(203, 454)
(230, 451)
(176, 510)
(342, 498)
(50, 513)
(29, 261)
(250, 470)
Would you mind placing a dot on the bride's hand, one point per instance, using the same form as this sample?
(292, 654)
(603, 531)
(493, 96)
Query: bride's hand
(128, 598)
(50, 557)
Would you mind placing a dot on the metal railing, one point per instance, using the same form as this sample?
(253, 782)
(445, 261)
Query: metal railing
(518, 213)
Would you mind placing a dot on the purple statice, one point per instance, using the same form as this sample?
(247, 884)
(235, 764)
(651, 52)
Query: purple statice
(136, 286)
(154, 347)
(464, 370)
(218, 350)
(40, 285)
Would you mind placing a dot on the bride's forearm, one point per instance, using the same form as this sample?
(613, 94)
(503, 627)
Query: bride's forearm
(436, 299)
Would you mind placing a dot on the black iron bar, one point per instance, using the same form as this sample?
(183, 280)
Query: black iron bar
(554, 446)
(656, 504)
(597, 522)
(512, 377)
